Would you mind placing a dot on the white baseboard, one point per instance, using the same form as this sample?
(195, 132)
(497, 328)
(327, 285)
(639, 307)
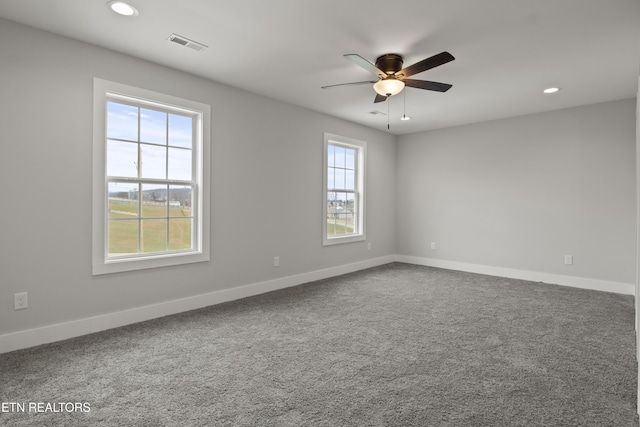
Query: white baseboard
(534, 276)
(75, 328)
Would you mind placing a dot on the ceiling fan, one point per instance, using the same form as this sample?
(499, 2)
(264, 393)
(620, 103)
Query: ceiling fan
(392, 78)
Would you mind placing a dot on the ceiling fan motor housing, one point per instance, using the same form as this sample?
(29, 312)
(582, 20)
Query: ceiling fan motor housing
(389, 63)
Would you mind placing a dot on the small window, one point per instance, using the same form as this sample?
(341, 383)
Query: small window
(150, 204)
(343, 193)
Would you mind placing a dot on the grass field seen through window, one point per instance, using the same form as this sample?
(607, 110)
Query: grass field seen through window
(336, 227)
(124, 228)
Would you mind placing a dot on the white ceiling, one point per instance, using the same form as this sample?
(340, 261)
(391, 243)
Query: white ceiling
(507, 51)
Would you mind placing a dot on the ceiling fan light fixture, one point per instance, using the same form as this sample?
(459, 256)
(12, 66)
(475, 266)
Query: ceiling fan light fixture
(388, 87)
(122, 8)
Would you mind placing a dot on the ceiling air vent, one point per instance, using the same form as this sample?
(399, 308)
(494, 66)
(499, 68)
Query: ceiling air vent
(183, 41)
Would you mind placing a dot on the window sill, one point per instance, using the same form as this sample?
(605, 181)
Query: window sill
(340, 240)
(132, 264)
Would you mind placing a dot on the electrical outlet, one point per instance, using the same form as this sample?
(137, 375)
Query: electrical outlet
(568, 259)
(276, 261)
(20, 301)
(433, 246)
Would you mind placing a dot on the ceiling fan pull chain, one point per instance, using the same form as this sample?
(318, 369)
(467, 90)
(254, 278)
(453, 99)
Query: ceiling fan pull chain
(404, 112)
(388, 109)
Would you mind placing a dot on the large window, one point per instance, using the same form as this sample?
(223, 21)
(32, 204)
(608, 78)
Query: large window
(150, 204)
(343, 193)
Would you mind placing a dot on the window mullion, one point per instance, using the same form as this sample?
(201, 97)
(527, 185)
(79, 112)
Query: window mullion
(167, 213)
(139, 173)
(166, 171)
(139, 165)
(140, 234)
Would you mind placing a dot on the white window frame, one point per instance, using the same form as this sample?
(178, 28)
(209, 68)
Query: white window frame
(360, 147)
(104, 90)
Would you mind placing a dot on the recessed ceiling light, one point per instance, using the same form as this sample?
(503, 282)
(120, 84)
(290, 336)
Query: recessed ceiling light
(122, 8)
(551, 90)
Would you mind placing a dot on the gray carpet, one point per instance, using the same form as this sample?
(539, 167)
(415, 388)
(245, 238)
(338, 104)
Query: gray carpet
(397, 345)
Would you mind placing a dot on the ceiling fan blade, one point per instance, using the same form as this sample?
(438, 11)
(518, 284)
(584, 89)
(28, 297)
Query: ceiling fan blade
(426, 64)
(379, 98)
(359, 60)
(425, 84)
(349, 84)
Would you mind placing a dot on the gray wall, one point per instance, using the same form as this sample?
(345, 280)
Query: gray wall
(516, 193)
(522, 192)
(266, 185)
